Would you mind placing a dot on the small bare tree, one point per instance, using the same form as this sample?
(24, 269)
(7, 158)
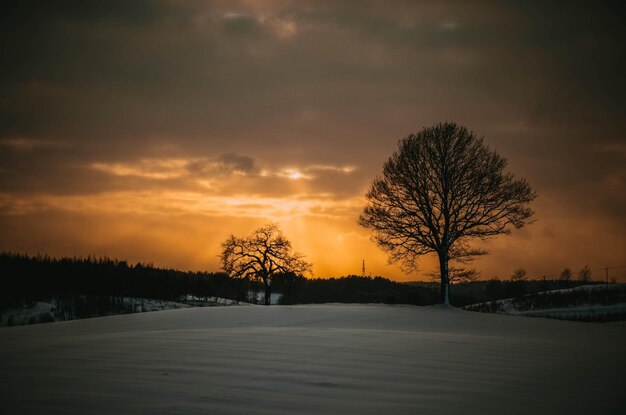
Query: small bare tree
(518, 282)
(519, 274)
(261, 255)
(584, 275)
(440, 189)
(566, 275)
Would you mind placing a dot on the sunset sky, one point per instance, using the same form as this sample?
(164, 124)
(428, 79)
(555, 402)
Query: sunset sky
(151, 130)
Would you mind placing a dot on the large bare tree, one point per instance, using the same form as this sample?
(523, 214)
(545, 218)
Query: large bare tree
(442, 188)
(261, 255)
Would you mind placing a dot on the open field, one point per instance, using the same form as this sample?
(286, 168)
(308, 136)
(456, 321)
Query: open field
(331, 359)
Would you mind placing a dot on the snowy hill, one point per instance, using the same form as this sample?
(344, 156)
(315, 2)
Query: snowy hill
(324, 359)
(84, 306)
(597, 302)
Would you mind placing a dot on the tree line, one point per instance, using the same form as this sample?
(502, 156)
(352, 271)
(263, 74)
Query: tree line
(297, 289)
(29, 278)
(32, 278)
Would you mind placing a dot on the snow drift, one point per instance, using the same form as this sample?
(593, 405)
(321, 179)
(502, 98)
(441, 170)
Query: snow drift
(597, 302)
(323, 359)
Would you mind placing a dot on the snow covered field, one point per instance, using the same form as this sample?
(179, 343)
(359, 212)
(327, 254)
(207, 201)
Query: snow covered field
(320, 359)
(596, 302)
(52, 310)
(62, 309)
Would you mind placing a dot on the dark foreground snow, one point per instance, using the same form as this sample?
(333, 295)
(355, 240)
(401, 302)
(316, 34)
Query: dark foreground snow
(326, 359)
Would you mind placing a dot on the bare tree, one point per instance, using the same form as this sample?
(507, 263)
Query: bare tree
(584, 275)
(566, 274)
(439, 190)
(261, 255)
(519, 274)
(518, 282)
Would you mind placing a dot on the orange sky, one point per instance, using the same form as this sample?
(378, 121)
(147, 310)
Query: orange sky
(151, 131)
(184, 228)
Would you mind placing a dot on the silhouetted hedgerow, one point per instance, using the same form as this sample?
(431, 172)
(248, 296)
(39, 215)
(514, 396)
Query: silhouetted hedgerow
(351, 289)
(26, 278)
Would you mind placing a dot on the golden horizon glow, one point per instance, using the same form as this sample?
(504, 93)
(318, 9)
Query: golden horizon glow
(182, 208)
(316, 224)
(184, 229)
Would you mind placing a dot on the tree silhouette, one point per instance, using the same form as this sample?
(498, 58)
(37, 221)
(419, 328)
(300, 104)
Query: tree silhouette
(519, 274)
(261, 255)
(566, 276)
(441, 188)
(584, 275)
(458, 275)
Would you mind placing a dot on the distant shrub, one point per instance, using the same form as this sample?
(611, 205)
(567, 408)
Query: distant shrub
(584, 275)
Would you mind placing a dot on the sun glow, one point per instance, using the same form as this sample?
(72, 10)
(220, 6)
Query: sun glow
(184, 168)
(180, 208)
(160, 169)
(295, 175)
(184, 229)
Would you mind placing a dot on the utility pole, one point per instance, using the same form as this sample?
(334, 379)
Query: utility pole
(606, 274)
(363, 269)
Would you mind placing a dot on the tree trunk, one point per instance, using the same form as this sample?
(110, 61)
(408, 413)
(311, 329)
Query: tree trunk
(268, 292)
(445, 281)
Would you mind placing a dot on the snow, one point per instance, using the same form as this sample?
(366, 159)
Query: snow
(211, 301)
(582, 313)
(588, 287)
(52, 310)
(56, 309)
(259, 296)
(590, 308)
(40, 311)
(318, 359)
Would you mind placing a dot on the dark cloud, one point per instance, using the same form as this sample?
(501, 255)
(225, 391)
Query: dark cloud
(238, 163)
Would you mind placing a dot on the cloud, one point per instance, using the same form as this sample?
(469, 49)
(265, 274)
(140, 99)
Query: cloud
(159, 169)
(238, 163)
(173, 168)
(30, 144)
(282, 98)
(293, 174)
(211, 172)
(177, 203)
(327, 167)
(309, 172)
(236, 23)
(282, 24)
